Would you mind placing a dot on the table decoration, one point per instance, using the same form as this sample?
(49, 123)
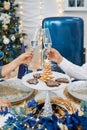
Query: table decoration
(3, 110)
(83, 107)
(20, 120)
(64, 104)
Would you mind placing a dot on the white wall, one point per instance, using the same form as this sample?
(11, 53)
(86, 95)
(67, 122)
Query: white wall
(32, 11)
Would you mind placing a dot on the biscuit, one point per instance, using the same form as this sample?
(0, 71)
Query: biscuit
(62, 80)
(52, 83)
(33, 81)
(38, 75)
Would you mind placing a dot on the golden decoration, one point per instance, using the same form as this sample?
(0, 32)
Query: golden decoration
(70, 97)
(47, 73)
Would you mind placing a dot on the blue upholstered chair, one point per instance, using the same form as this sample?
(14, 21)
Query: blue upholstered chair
(67, 35)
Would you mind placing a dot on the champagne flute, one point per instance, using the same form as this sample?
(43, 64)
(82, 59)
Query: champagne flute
(47, 39)
(47, 43)
(35, 46)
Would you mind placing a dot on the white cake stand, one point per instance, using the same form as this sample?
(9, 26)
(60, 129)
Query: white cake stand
(43, 87)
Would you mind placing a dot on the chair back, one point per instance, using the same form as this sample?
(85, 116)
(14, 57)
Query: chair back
(67, 35)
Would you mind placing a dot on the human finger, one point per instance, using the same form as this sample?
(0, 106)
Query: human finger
(5, 103)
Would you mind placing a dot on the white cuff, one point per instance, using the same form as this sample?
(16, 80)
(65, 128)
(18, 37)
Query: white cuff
(64, 64)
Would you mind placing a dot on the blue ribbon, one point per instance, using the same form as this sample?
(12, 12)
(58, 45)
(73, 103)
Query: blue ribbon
(3, 110)
(32, 103)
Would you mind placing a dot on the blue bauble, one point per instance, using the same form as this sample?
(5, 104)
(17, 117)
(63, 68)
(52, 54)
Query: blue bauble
(1, 55)
(11, 14)
(16, 29)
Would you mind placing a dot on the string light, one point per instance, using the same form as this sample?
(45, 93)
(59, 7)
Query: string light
(60, 7)
(20, 7)
(20, 2)
(41, 13)
(20, 13)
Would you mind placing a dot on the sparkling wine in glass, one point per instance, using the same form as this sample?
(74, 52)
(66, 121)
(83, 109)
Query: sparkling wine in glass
(33, 44)
(47, 43)
(36, 47)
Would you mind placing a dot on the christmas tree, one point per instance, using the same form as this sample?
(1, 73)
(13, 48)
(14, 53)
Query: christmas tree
(10, 43)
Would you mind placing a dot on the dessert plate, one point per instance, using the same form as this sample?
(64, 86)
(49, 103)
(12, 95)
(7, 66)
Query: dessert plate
(42, 85)
(78, 89)
(14, 91)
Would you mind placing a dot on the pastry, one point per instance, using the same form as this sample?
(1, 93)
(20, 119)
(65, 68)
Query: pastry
(47, 73)
(62, 80)
(38, 75)
(52, 83)
(33, 81)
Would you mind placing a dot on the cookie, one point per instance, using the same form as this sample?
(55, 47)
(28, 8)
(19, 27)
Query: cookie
(38, 75)
(52, 83)
(33, 81)
(62, 80)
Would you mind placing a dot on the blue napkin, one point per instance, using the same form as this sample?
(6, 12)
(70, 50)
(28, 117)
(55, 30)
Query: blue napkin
(23, 69)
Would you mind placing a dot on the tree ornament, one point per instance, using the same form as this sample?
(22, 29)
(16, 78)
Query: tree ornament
(6, 5)
(5, 40)
(5, 26)
(1, 55)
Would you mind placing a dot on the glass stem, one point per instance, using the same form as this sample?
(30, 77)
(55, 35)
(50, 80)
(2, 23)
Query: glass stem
(47, 106)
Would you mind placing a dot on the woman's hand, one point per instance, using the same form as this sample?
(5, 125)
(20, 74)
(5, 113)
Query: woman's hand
(24, 58)
(54, 55)
(4, 103)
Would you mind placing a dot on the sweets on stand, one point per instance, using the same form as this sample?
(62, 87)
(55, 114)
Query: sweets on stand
(62, 80)
(33, 81)
(52, 83)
